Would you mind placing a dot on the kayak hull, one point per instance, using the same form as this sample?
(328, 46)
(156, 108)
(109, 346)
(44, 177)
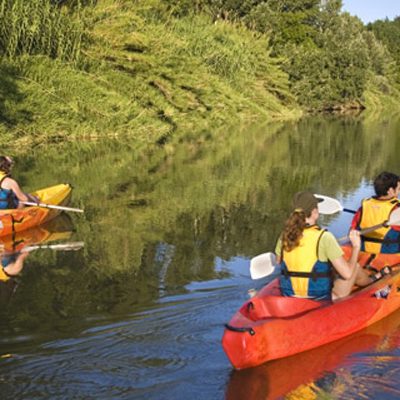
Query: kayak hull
(289, 376)
(17, 220)
(269, 326)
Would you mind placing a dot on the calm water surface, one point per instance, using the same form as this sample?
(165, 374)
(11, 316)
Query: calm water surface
(138, 313)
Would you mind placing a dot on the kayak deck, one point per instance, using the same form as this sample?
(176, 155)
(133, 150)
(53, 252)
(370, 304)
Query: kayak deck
(17, 220)
(270, 326)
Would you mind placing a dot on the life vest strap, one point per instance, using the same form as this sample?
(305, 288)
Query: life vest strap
(312, 275)
(377, 240)
(2, 179)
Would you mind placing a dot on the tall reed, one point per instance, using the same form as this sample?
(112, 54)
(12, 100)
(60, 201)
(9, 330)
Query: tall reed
(41, 27)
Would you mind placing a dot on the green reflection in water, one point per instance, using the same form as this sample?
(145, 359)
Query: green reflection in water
(157, 219)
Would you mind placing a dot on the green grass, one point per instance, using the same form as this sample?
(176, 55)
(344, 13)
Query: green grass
(40, 27)
(145, 78)
(130, 69)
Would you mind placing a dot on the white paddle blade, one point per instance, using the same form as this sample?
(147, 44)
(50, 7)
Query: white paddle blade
(262, 265)
(328, 205)
(394, 218)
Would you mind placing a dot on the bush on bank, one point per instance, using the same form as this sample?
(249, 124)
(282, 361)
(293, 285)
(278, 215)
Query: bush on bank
(153, 69)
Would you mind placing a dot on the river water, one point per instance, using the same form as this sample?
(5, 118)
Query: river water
(138, 313)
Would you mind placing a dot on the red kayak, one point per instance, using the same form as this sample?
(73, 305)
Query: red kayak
(270, 326)
(279, 378)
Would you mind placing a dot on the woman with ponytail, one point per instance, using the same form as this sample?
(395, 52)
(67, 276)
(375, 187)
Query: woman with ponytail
(311, 259)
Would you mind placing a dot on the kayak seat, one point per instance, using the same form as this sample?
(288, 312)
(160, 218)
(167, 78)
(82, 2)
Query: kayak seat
(278, 307)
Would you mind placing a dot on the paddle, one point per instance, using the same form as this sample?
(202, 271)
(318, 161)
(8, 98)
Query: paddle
(328, 205)
(265, 264)
(52, 206)
(262, 265)
(394, 219)
(61, 246)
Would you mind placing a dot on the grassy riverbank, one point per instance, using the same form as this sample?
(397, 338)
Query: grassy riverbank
(130, 69)
(143, 77)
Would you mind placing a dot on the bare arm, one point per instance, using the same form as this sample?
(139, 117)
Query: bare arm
(346, 268)
(13, 185)
(16, 267)
(10, 183)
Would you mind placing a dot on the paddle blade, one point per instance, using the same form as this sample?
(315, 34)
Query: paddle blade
(394, 218)
(262, 265)
(328, 205)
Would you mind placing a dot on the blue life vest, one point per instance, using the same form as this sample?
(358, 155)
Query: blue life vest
(8, 200)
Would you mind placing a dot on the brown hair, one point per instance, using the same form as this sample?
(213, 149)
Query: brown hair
(5, 164)
(293, 230)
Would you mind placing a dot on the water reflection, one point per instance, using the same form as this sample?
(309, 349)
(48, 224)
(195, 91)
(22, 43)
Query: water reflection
(14, 251)
(160, 221)
(224, 195)
(59, 228)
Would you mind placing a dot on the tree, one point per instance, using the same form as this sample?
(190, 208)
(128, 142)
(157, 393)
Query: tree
(388, 32)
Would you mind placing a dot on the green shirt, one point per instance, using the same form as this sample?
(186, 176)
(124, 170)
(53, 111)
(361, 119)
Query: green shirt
(328, 248)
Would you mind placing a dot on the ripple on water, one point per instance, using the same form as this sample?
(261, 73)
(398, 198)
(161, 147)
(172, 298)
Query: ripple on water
(164, 349)
(150, 352)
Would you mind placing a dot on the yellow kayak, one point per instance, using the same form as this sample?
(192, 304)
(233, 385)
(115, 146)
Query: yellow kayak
(17, 220)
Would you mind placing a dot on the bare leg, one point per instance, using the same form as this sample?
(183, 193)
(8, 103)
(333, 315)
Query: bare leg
(362, 278)
(342, 287)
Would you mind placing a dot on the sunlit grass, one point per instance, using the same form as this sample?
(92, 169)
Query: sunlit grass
(137, 75)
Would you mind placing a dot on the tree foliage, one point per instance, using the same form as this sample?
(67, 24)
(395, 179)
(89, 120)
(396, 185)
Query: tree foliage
(388, 33)
(329, 55)
(154, 66)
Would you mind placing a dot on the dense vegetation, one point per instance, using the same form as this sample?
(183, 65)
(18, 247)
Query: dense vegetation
(329, 56)
(149, 69)
(388, 32)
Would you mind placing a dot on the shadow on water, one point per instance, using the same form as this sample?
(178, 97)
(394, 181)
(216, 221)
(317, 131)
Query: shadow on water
(168, 232)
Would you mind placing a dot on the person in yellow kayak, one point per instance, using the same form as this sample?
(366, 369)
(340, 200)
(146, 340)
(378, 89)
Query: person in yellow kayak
(10, 192)
(377, 209)
(311, 259)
